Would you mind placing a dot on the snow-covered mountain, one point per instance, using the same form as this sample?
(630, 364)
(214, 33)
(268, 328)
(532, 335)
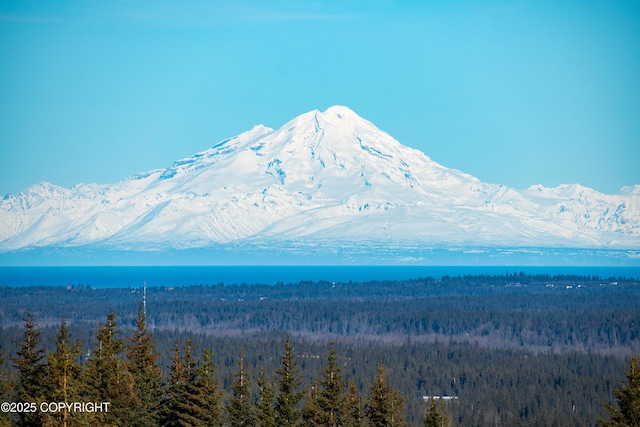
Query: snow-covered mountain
(324, 178)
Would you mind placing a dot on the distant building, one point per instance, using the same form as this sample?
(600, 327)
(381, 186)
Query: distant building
(440, 397)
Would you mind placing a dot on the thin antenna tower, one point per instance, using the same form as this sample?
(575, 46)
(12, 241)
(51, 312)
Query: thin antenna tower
(144, 299)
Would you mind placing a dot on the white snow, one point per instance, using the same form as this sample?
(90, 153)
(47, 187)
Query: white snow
(323, 176)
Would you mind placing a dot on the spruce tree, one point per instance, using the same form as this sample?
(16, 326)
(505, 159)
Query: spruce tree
(353, 408)
(288, 396)
(65, 374)
(181, 391)
(106, 377)
(33, 384)
(266, 413)
(175, 391)
(5, 388)
(240, 409)
(628, 397)
(311, 413)
(145, 372)
(199, 395)
(208, 391)
(331, 392)
(385, 407)
(436, 416)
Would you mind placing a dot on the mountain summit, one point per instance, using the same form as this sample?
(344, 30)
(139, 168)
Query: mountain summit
(323, 179)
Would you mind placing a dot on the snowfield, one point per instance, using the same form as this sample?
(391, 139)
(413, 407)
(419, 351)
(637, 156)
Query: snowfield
(322, 177)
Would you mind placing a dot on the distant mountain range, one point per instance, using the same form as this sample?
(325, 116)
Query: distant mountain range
(323, 180)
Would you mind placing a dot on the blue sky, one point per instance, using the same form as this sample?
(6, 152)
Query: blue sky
(516, 93)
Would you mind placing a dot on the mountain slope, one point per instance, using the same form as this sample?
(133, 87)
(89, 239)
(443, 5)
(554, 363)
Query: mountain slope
(322, 177)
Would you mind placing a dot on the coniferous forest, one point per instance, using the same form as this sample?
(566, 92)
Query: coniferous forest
(510, 350)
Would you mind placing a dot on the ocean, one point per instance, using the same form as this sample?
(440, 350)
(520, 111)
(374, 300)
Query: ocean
(135, 277)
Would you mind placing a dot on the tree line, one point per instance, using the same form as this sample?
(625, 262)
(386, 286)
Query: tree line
(541, 313)
(509, 350)
(128, 377)
(126, 374)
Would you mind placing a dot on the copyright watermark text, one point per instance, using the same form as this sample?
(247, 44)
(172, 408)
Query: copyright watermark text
(53, 407)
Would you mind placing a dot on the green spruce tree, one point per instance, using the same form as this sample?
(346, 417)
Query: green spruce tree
(385, 407)
(331, 392)
(202, 404)
(311, 413)
(144, 370)
(240, 410)
(628, 400)
(353, 408)
(288, 381)
(6, 386)
(175, 391)
(65, 373)
(107, 379)
(33, 384)
(266, 412)
(436, 416)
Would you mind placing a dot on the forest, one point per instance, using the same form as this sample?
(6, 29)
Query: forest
(509, 350)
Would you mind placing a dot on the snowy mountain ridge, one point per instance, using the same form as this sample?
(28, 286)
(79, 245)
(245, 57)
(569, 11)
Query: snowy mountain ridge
(321, 177)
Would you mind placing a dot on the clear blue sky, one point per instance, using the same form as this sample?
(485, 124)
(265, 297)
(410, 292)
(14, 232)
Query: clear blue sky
(513, 92)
